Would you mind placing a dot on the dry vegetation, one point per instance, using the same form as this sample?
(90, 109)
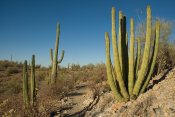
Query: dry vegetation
(11, 100)
(48, 97)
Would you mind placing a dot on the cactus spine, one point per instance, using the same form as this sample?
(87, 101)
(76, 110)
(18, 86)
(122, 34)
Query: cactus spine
(33, 84)
(25, 85)
(124, 75)
(55, 60)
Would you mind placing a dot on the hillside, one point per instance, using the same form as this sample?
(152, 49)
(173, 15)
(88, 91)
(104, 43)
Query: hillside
(158, 101)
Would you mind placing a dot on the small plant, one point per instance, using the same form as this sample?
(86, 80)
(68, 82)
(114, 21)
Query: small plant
(126, 80)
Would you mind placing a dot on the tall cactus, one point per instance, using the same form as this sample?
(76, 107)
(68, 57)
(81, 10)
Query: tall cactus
(110, 75)
(117, 65)
(145, 60)
(25, 85)
(120, 37)
(33, 83)
(55, 60)
(131, 59)
(137, 61)
(153, 59)
(125, 74)
(51, 56)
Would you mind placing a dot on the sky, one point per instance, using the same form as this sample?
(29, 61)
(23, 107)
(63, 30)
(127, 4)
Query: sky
(29, 27)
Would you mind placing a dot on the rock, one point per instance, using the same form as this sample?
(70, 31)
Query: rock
(88, 101)
(157, 102)
(11, 110)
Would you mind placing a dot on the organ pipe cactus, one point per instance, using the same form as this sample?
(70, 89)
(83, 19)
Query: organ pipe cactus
(127, 81)
(117, 65)
(25, 85)
(54, 58)
(33, 83)
(51, 56)
(131, 59)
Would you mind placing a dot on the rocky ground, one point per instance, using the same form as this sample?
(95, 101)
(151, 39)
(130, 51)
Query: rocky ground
(158, 101)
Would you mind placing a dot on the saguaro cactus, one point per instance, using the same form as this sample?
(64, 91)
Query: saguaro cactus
(55, 60)
(33, 83)
(25, 85)
(124, 74)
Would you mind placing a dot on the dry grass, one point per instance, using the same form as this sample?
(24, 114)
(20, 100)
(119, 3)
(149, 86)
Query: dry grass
(48, 96)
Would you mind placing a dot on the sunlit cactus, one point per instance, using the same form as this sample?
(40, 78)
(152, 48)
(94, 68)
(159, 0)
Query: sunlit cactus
(25, 85)
(33, 83)
(117, 65)
(131, 59)
(51, 56)
(54, 58)
(127, 81)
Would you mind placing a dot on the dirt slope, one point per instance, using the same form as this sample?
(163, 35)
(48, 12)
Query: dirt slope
(158, 101)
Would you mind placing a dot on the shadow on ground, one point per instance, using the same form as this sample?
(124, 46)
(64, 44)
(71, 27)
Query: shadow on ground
(160, 79)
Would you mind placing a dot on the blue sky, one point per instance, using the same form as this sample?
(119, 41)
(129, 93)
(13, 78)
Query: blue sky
(29, 26)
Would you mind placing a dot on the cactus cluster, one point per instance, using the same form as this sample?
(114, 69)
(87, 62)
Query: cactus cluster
(27, 100)
(127, 78)
(54, 58)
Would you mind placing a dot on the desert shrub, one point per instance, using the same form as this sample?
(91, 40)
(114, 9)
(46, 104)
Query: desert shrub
(172, 54)
(19, 65)
(165, 54)
(10, 87)
(6, 64)
(41, 75)
(15, 85)
(62, 87)
(37, 66)
(75, 67)
(14, 88)
(88, 67)
(163, 58)
(12, 70)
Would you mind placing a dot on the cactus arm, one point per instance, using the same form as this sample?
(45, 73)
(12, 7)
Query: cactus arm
(109, 71)
(120, 39)
(124, 51)
(51, 55)
(62, 56)
(154, 56)
(25, 85)
(145, 60)
(116, 59)
(127, 40)
(137, 61)
(33, 85)
(131, 59)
